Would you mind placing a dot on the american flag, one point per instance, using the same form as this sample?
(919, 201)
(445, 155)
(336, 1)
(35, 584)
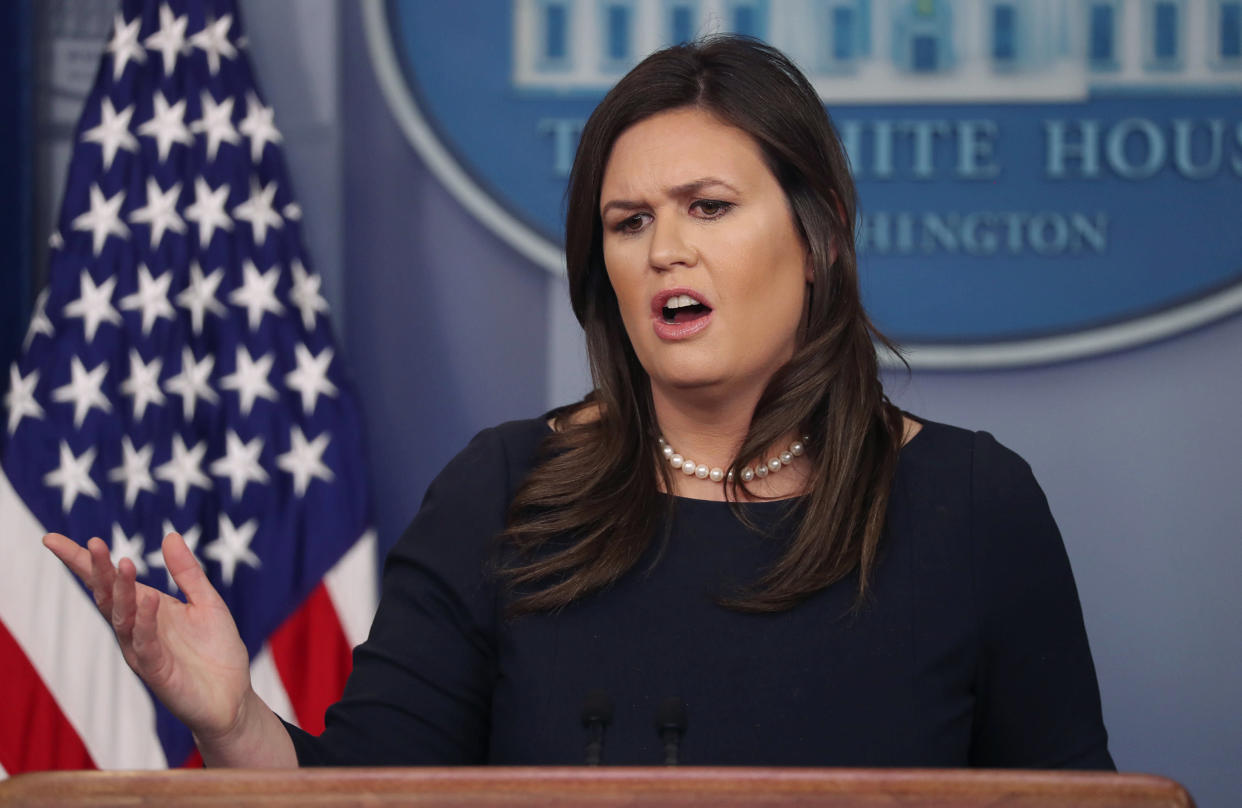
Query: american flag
(180, 373)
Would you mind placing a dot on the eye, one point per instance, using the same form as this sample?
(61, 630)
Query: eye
(711, 208)
(631, 224)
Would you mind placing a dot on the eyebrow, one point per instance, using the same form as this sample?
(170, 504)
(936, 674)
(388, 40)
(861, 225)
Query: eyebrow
(685, 189)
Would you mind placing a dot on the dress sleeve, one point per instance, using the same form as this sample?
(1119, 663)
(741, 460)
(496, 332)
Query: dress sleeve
(1037, 699)
(421, 686)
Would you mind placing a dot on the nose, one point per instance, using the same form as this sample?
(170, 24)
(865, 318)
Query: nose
(669, 248)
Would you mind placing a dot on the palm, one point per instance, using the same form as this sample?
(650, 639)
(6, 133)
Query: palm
(190, 653)
(198, 665)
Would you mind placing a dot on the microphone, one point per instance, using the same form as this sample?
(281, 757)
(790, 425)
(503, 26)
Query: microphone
(671, 724)
(596, 715)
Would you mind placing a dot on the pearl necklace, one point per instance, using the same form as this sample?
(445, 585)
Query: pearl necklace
(700, 470)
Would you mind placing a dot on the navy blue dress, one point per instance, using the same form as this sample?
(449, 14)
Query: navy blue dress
(970, 652)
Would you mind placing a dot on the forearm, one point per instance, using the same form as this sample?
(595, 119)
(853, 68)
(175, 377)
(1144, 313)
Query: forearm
(257, 741)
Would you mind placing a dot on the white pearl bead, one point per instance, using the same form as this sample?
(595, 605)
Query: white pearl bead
(716, 474)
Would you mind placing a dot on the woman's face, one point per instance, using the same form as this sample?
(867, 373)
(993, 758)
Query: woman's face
(702, 252)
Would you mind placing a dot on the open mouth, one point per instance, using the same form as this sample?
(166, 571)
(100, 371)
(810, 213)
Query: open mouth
(683, 309)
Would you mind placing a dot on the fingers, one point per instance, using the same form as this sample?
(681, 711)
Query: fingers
(101, 576)
(91, 563)
(73, 555)
(124, 602)
(145, 636)
(186, 572)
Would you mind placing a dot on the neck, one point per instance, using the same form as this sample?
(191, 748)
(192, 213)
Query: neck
(701, 426)
(709, 429)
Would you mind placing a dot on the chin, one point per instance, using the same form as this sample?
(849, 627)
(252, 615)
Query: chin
(693, 383)
(691, 378)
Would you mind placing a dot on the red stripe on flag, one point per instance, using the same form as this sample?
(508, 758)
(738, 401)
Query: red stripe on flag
(194, 761)
(313, 658)
(34, 735)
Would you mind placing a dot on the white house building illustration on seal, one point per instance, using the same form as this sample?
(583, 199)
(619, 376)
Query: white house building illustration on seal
(871, 51)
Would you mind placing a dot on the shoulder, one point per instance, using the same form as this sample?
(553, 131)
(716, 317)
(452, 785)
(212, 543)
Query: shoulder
(497, 458)
(973, 458)
(471, 494)
(980, 490)
(1001, 509)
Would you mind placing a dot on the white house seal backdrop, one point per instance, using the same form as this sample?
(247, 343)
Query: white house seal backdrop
(1015, 158)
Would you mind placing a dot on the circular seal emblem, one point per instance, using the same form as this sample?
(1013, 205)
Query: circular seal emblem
(1039, 180)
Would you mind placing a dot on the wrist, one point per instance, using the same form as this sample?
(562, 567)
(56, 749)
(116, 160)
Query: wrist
(239, 742)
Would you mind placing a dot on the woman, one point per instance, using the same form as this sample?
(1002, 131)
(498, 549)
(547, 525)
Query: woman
(737, 516)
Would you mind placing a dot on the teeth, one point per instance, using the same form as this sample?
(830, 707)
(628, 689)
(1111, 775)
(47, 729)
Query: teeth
(681, 301)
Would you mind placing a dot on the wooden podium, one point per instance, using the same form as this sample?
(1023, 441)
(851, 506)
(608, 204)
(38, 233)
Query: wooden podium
(602, 787)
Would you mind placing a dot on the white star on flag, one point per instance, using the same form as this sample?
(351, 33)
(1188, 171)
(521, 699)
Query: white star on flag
(213, 40)
(304, 460)
(112, 133)
(155, 558)
(257, 294)
(151, 298)
(216, 123)
(160, 212)
(123, 547)
(84, 390)
(170, 39)
(305, 294)
(134, 472)
(232, 547)
(184, 469)
(259, 126)
(249, 380)
(160, 344)
(240, 463)
(143, 382)
(124, 45)
(191, 383)
(208, 210)
(258, 211)
(310, 378)
(103, 218)
(73, 476)
(167, 126)
(20, 400)
(93, 304)
(199, 296)
(39, 322)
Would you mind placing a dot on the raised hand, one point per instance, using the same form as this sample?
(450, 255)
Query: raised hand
(190, 654)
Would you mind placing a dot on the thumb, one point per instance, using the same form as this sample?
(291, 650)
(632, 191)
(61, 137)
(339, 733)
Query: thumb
(186, 572)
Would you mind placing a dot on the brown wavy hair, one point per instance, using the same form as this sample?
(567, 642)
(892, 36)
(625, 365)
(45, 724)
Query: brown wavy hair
(594, 503)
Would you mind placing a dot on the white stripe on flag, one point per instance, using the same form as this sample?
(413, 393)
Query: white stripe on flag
(72, 647)
(352, 590)
(3, 773)
(266, 681)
